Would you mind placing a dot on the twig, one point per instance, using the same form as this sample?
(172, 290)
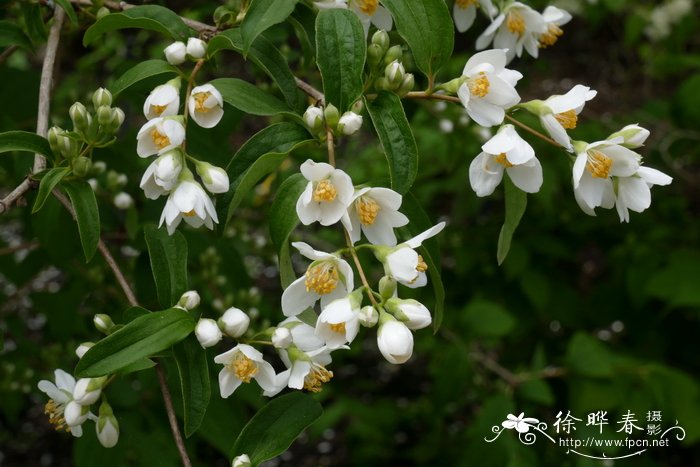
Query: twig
(330, 147)
(310, 90)
(7, 53)
(492, 365)
(360, 271)
(171, 417)
(22, 246)
(42, 119)
(533, 131)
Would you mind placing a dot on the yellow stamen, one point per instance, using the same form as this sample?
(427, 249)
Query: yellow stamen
(159, 139)
(324, 191)
(515, 22)
(189, 213)
(599, 164)
(322, 278)
(464, 4)
(55, 413)
(568, 119)
(316, 377)
(550, 37)
(479, 85)
(243, 367)
(338, 327)
(368, 7)
(367, 209)
(422, 266)
(199, 99)
(158, 109)
(503, 160)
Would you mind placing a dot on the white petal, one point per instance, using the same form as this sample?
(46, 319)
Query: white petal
(555, 130)
(382, 19)
(500, 142)
(464, 17)
(653, 176)
(227, 383)
(494, 57)
(315, 171)
(527, 177)
(296, 299)
(299, 371)
(484, 113)
(635, 192)
(484, 174)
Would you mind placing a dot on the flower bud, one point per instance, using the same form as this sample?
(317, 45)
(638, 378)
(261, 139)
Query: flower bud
(234, 322)
(406, 85)
(393, 54)
(313, 117)
(207, 332)
(332, 116)
(381, 83)
(282, 338)
(80, 117)
(83, 348)
(104, 115)
(94, 184)
(101, 97)
(394, 339)
(103, 323)
(196, 48)
(102, 12)
(117, 119)
(413, 313)
(67, 146)
(394, 73)
(381, 38)
(241, 461)
(634, 136)
(175, 53)
(81, 166)
(99, 167)
(88, 390)
(215, 178)
(75, 413)
(387, 287)
(189, 300)
(107, 427)
(368, 316)
(374, 55)
(123, 201)
(349, 123)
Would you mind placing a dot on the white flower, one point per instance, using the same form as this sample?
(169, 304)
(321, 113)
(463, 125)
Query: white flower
(633, 136)
(339, 323)
(123, 200)
(175, 53)
(307, 370)
(553, 18)
(196, 48)
(163, 101)
(313, 117)
(107, 427)
(190, 202)
(208, 333)
(560, 112)
(368, 316)
(281, 338)
(241, 461)
(60, 395)
(234, 322)
(167, 169)
(241, 364)
(520, 423)
(517, 27)
(329, 4)
(75, 414)
(150, 184)
(215, 178)
(158, 136)
(488, 88)
(327, 278)
(88, 390)
(350, 123)
(303, 335)
(405, 265)
(206, 105)
(371, 12)
(327, 195)
(394, 72)
(189, 300)
(374, 211)
(634, 193)
(508, 152)
(464, 12)
(411, 312)
(395, 341)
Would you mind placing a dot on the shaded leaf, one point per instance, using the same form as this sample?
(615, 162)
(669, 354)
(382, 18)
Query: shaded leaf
(140, 72)
(48, 182)
(248, 97)
(12, 34)
(151, 17)
(24, 141)
(261, 15)
(87, 215)
(192, 365)
(283, 220)
(516, 203)
(168, 255)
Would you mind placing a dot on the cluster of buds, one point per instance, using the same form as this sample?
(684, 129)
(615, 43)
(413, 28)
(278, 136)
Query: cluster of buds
(319, 120)
(94, 129)
(385, 63)
(163, 135)
(112, 183)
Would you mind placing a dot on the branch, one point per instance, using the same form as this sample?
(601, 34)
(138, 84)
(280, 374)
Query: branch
(42, 119)
(310, 90)
(171, 417)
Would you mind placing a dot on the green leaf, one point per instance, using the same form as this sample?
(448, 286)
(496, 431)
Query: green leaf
(259, 156)
(248, 97)
(426, 26)
(151, 17)
(192, 365)
(397, 139)
(168, 255)
(34, 21)
(283, 219)
(12, 34)
(430, 250)
(145, 336)
(516, 202)
(340, 54)
(587, 356)
(139, 365)
(24, 141)
(47, 184)
(261, 15)
(273, 429)
(70, 12)
(87, 215)
(266, 56)
(140, 72)
(488, 319)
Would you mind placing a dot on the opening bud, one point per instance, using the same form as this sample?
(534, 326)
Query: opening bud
(381, 39)
(80, 117)
(207, 332)
(387, 287)
(634, 136)
(102, 12)
(103, 323)
(215, 178)
(52, 135)
(123, 201)
(368, 316)
(196, 48)
(411, 312)
(394, 73)
(313, 117)
(241, 461)
(107, 426)
(88, 390)
(189, 300)
(406, 85)
(83, 348)
(101, 97)
(350, 123)
(234, 322)
(394, 339)
(175, 53)
(282, 338)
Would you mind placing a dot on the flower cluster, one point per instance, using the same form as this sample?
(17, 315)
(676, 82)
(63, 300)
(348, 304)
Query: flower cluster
(164, 135)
